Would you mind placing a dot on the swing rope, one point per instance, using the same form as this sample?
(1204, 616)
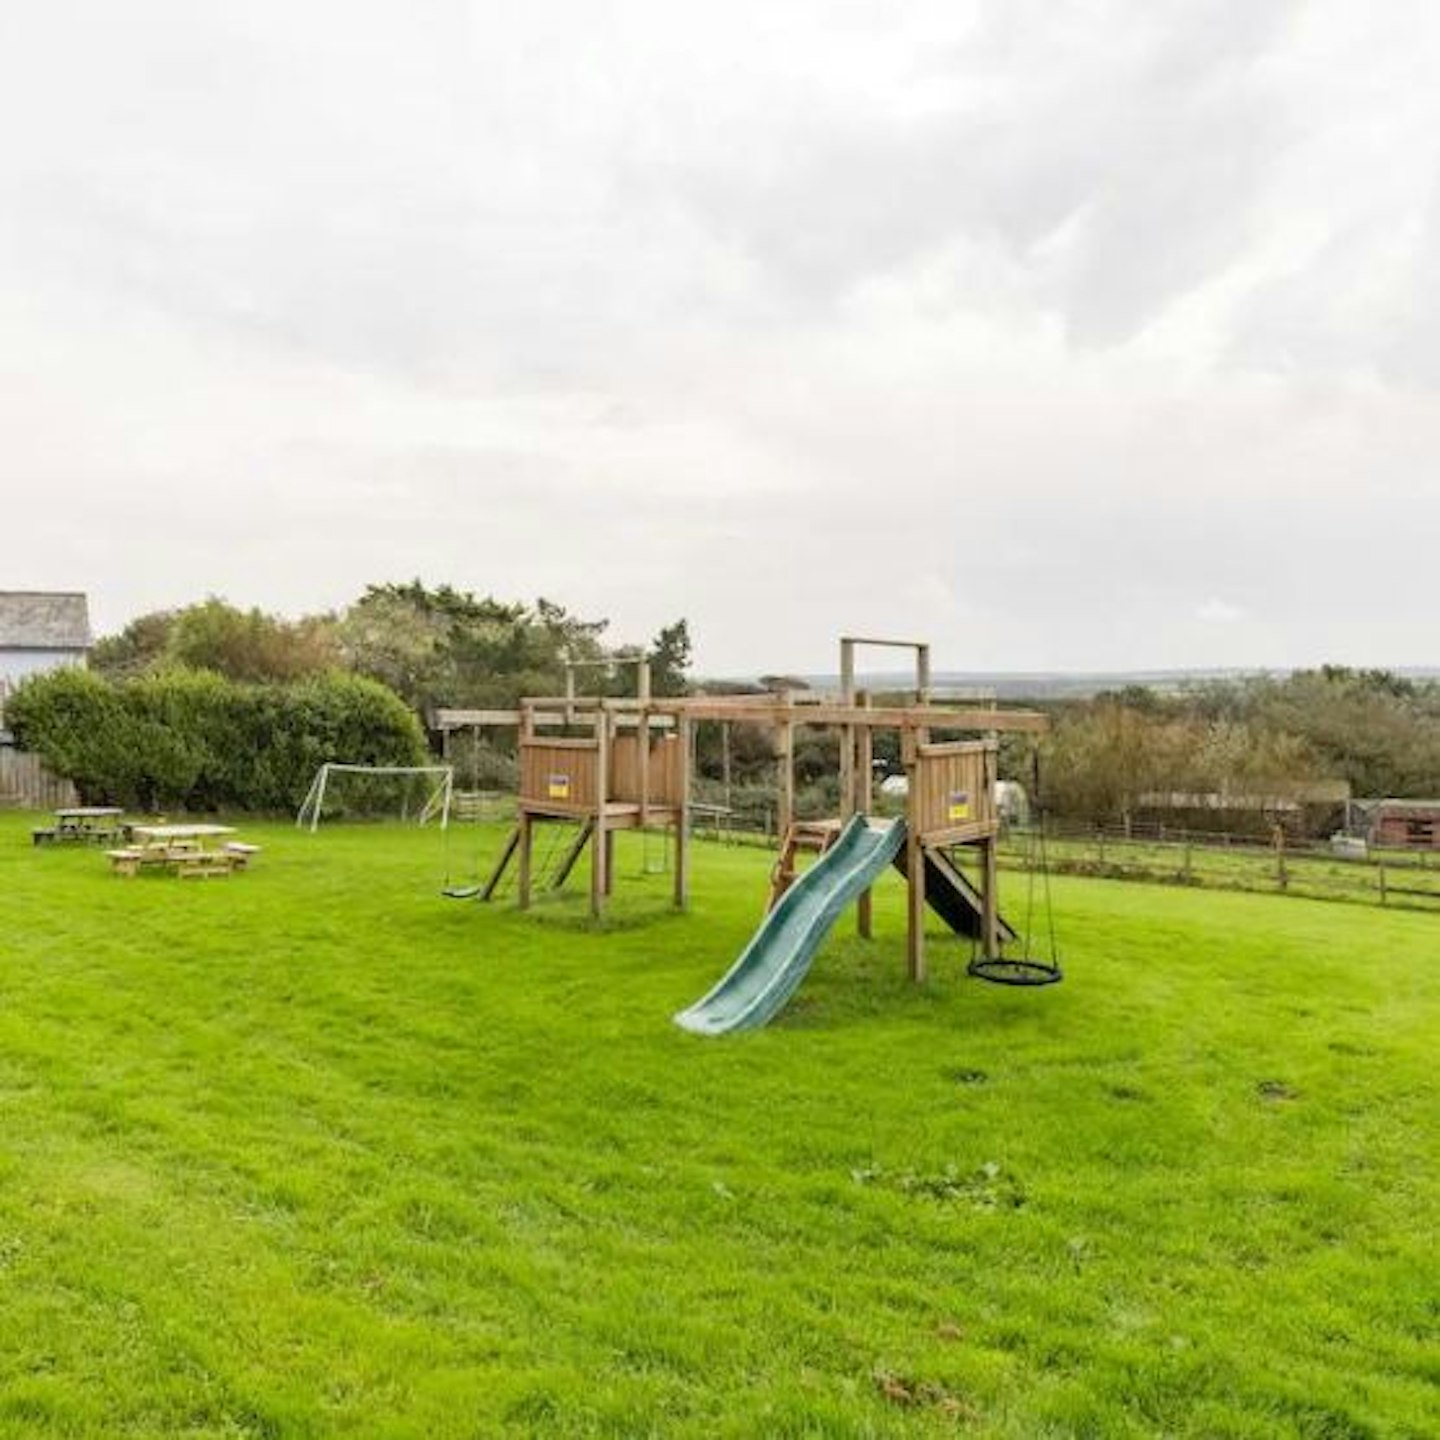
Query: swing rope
(1028, 969)
(453, 891)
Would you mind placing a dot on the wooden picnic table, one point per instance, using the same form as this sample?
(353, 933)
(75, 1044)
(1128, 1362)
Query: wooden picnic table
(182, 850)
(172, 834)
(80, 825)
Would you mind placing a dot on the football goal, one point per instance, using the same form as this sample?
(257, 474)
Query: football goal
(419, 793)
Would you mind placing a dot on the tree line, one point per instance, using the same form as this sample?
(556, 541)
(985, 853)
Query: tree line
(174, 692)
(211, 707)
(1266, 736)
(432, 646)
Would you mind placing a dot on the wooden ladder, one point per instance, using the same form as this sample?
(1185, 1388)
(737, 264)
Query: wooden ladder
(816, 836)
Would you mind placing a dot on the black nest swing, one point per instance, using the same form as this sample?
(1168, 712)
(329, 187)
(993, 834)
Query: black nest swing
(1027, 968)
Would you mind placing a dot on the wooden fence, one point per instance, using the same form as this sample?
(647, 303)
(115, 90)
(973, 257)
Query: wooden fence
(1402, 878)
(25, 783)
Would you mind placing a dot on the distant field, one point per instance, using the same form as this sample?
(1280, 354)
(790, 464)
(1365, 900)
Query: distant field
(1404, 879)
(312, 1151)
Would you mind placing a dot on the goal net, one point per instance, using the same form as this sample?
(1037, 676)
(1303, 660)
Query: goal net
(411, 793)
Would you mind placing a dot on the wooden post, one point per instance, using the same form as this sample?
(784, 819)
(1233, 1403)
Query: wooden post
(725, 760)
(785, 810)
(642, 741)
(915, 905)
(914, 861)
(989, 899)
(599, 843)
(847, 732)
(682, 819)
(527, 841)
(864, 783)
(865, 762)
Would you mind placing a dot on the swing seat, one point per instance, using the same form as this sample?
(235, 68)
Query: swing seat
(461, 892)
(1015, 970)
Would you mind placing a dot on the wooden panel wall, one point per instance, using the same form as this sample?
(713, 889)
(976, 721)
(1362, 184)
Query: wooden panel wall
(953, 788)
(559, 773)
(667, 770)
(24, 781)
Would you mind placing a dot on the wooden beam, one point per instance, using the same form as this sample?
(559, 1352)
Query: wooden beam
(890, 644)
(446, 720)
(879, 718)
(506, 855)
(527, 849)
(572, 855)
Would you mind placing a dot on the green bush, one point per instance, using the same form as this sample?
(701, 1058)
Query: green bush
(193, 740)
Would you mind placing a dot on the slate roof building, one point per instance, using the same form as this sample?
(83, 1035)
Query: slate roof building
(40, 630)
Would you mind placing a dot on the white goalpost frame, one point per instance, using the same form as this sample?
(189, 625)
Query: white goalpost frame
(438, 801)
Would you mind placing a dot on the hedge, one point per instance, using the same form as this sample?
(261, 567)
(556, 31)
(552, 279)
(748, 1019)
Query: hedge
(193, 740)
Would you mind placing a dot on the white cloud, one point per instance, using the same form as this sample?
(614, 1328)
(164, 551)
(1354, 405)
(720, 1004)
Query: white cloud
(1018, 325)
(1218, 612)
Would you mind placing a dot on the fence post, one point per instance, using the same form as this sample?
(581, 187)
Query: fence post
(1382, 883)
(1282, 878)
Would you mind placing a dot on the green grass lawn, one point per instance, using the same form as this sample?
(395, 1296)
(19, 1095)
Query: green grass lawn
(313, 1151)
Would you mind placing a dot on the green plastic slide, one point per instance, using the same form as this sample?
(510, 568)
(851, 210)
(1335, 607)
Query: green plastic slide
(778, 956)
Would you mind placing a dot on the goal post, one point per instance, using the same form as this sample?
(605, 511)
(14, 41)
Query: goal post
(439, 790)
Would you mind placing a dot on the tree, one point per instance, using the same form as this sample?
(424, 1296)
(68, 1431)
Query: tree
(249, 645)
(245, 645)
(446, 647)
(140, 645)
(669, 660)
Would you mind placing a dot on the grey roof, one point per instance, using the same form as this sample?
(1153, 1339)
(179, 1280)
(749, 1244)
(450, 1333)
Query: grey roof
(41, 620)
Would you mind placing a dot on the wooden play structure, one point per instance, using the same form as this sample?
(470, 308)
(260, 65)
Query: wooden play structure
(601, 765)
(949, 793)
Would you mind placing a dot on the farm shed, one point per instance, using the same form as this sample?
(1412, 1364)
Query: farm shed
(1302, 807)
(1413, 823)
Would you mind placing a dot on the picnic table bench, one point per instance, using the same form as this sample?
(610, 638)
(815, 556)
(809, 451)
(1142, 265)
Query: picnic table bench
(180, 850)
(81, 825)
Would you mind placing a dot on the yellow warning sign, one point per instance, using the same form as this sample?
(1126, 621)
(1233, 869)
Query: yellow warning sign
(558, 787)
(959, 805)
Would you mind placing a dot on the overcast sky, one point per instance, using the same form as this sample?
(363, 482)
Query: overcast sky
(1080, 335)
